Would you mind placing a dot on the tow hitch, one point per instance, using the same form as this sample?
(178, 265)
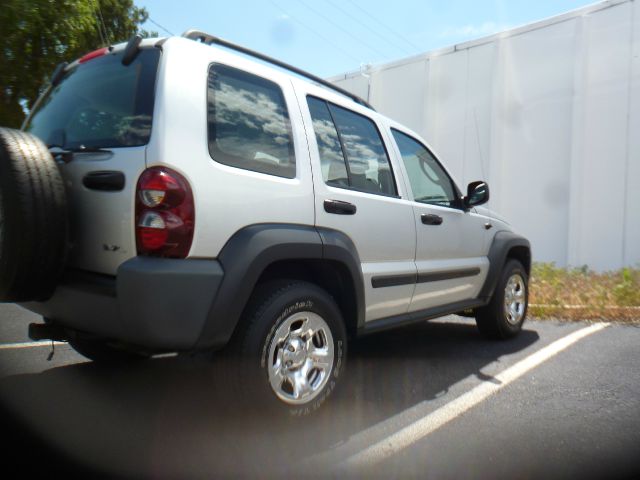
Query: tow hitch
(47, 331)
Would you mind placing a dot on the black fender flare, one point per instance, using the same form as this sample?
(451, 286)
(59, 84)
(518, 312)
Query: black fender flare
(503, 242)
(337, 246)
(248, 253)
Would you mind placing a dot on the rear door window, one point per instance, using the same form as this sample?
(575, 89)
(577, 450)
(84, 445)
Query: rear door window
(248, 122)
(352, 154)
(332, 161)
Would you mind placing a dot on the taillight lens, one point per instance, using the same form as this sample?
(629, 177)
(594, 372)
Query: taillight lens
(165, 214)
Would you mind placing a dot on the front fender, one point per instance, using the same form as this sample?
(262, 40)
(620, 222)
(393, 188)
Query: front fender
(503, 242)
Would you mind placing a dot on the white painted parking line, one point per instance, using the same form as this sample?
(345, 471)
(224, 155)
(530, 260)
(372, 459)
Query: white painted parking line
(9, 346)
(418, 430)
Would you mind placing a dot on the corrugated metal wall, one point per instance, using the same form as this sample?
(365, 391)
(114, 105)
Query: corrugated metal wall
(549, 114)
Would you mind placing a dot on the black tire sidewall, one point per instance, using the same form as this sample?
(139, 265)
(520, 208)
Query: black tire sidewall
(297, 297)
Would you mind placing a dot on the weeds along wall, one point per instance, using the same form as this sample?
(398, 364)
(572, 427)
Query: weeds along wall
(548, 114)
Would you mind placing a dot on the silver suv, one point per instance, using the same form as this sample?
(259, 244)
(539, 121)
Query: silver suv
(188, 194)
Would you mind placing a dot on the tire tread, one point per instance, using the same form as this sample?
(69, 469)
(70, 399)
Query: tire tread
(35, 216)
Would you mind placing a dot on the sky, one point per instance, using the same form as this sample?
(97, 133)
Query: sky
(329, 37)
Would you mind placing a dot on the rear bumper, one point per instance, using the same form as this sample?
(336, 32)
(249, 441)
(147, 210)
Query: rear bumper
(160, 304)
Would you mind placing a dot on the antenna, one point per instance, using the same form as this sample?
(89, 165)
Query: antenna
(475, 119)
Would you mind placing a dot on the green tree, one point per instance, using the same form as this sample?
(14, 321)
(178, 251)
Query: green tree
(36, 35)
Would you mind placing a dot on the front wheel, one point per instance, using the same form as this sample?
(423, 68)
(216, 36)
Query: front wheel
(503, 317)
(291, 348)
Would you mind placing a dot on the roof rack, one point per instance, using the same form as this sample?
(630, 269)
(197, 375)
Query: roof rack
(207, 39)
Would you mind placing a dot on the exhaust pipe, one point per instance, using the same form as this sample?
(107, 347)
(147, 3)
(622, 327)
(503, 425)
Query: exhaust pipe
(47, 331)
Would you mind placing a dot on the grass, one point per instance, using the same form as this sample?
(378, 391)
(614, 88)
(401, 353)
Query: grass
(579, 293)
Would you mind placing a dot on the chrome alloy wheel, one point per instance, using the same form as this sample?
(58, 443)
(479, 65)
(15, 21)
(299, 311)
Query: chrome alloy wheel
(515, 299)
(300, 358)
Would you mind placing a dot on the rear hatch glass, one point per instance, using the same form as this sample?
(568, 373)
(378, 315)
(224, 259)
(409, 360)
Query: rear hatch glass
(102, 111)
(99, 104)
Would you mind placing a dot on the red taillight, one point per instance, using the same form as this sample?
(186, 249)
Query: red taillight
(165, 214)
(94, 54)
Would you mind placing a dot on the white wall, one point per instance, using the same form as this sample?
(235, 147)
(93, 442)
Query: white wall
(549, 115)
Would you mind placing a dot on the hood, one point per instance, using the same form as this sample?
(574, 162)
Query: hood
(491, 214)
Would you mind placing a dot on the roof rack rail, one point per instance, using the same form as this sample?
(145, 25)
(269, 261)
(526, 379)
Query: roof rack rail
(210, 39)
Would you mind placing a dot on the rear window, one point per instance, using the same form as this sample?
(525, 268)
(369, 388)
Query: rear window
(248, 123)
(100, 104)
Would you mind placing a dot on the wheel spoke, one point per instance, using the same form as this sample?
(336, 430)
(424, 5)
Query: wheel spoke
(301, 385)
(312, 326)
(279, 337)
(300, 357)
(514, 299)
(276, 376)
(276, 379)
(320, 358)
(302, 329)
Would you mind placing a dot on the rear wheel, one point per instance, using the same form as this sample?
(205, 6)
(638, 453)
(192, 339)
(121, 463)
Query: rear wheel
(504, 315)
(290, 350)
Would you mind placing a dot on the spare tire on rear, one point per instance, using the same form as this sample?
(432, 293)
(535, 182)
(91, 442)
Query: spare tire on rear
(33, 219)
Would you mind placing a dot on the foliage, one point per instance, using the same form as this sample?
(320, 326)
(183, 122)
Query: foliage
(39, 34)
(579, 293)
(627, 292)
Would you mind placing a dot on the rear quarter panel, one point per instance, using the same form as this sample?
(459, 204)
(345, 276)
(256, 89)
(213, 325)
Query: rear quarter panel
(226, 198)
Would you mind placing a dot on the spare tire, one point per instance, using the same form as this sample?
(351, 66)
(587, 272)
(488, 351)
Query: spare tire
(33, 219)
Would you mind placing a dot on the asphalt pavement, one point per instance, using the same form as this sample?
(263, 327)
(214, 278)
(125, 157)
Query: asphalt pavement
(433, 400)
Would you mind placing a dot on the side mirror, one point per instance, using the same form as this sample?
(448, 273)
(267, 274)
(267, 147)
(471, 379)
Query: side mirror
(477, 194)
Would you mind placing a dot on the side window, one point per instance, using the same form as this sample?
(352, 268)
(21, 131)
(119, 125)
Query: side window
(248, 123)
(334, 169)
(351, 151)
(429, 182)
(366, 157)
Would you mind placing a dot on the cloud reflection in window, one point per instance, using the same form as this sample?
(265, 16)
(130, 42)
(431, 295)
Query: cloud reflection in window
(249, 124)
(367, 158)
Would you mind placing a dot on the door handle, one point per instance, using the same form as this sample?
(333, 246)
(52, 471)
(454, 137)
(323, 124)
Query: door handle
(339, 207)
(430, 219)
(106, 181)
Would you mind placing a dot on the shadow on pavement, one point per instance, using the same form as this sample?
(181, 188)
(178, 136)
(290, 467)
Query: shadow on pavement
(172, 417)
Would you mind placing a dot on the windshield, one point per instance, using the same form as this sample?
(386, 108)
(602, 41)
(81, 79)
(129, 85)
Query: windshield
(100, 103)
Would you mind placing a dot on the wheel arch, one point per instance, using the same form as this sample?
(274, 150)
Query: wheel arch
(332, 276)
(259, 253)
(505, 245)
(523, 255)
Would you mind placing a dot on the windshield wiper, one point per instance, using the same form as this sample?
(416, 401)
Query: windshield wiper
(83, 149)
(66, 153)
(78, 149)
